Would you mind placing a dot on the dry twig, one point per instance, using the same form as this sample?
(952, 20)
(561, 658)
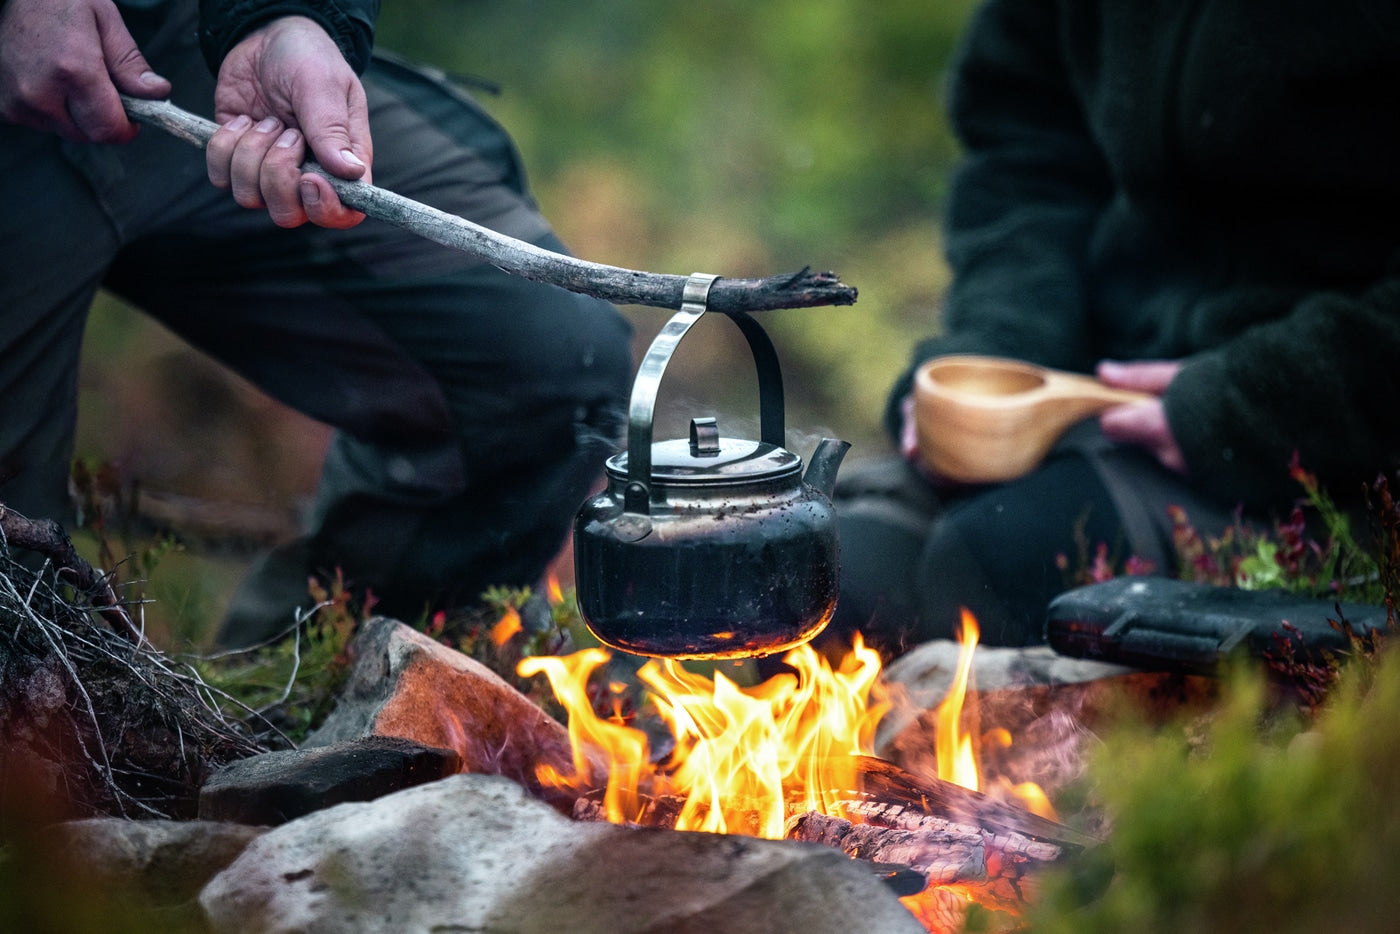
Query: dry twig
(134, 732)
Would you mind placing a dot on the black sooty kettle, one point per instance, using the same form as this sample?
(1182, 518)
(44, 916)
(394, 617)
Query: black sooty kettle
(709, 547)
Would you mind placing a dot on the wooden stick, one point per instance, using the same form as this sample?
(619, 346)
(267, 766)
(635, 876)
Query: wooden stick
(802, 289)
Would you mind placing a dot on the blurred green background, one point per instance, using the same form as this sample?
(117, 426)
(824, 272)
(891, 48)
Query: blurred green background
(730, 137)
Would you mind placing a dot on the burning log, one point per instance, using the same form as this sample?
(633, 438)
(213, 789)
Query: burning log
(889, 794)
(946, 854)
(951, 835)
(989, 848)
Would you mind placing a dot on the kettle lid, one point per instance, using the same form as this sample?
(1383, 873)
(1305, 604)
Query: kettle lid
(707, 458)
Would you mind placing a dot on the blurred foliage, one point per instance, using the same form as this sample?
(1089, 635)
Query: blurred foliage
(1275, 810)
(735, 138)
(1254, 819)
(804, 124)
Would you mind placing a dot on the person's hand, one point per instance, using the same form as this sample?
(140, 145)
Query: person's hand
(908, 430)
(283, 87)
(1142, 423)
(63, 64)
(909, 448)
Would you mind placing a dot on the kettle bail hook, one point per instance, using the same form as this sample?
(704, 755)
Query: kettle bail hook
(694, 302)
(695, 297)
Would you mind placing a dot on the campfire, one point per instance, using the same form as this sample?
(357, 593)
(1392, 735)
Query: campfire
(792, 758)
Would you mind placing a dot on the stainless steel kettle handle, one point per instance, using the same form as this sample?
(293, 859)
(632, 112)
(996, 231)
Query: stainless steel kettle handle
(640, 414)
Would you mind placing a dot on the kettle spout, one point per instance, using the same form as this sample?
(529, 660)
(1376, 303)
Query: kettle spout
(826, 460)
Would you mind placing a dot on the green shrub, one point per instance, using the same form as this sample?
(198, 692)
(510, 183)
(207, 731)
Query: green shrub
(1257, 818)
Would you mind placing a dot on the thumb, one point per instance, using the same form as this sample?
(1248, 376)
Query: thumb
(336, 127)
(125, 64)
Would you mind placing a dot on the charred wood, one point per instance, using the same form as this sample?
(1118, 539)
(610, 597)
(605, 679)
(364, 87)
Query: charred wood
(988, 848)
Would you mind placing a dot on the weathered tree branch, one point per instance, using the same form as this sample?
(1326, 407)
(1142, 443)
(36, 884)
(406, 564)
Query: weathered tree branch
(802, 289)
(46, 537)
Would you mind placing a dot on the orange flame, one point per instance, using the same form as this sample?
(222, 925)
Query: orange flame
(957, 763)
(953, 745)
(747, 758)
(744, 758)
(624, 750)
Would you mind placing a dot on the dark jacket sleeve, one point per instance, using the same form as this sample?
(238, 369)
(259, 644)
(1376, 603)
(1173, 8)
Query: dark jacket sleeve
(1321, 381)
(1022, 202)
(349, 22)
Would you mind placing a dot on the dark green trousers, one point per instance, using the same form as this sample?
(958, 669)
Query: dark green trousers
(912, 557)
(473, 409)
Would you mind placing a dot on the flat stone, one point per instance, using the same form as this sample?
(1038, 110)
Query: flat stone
(404, 684)
(276, 787)
(477, 853)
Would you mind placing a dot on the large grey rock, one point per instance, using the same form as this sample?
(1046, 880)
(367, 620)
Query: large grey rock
(923, 676)
(115, 874)
(927, 670)
(160, 860)
(1047, 707)
(275, 787)
(476, 853)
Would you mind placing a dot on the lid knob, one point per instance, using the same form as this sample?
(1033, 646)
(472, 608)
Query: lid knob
(704, 437)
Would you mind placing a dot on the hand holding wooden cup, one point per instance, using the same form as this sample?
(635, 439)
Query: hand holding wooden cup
(991, 419)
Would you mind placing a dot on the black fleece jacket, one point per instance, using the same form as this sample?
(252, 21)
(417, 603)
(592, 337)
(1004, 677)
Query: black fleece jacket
(1216, 181)
(222, 23)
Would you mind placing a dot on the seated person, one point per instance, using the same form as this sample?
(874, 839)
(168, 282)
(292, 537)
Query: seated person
(1193, 200)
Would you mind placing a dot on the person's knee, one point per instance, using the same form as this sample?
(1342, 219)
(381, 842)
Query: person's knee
(576, 365)
(604, 341)
(961, 568)
(998, 553)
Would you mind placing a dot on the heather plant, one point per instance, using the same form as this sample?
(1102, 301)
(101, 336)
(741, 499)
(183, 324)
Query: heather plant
(1258, 817)
(512, 623)
(1314, 550)
(288, 686)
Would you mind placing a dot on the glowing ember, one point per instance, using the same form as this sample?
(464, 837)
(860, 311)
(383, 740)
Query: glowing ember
(506, 627)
